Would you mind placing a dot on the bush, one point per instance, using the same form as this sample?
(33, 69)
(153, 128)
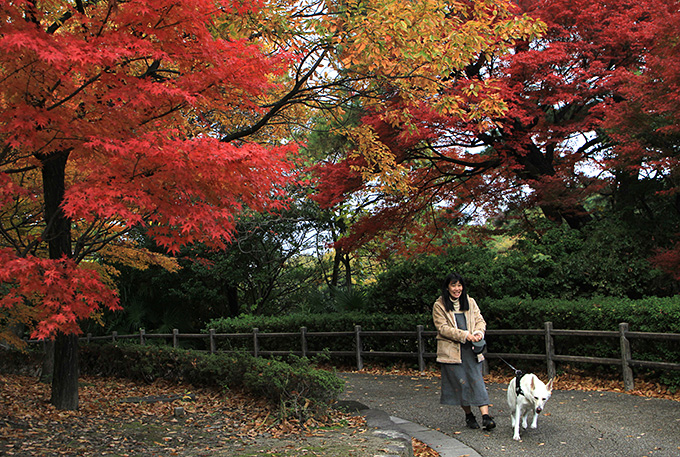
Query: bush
(328, 322)
(554, 262)
(603, 313)
(297, 389)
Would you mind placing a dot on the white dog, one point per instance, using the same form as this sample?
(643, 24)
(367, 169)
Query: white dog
(530, 397)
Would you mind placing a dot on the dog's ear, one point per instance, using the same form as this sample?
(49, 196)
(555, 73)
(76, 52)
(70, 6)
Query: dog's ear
(550, 384)
(533, 384)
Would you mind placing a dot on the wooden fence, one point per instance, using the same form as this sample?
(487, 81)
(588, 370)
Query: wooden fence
(624, 335)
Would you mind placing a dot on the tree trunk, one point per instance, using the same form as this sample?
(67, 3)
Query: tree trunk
(58, 230)
(232, 300)
(47, 371)
(348, 271)
(58, 237)
(66, 372)
(335, 275)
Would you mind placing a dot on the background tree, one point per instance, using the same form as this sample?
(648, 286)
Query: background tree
(266, 269)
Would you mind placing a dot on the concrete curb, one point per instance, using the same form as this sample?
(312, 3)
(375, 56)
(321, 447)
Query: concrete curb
(399, 432)
(399, 442)
(443, 444)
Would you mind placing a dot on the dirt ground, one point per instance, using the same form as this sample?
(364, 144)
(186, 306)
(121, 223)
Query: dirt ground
(121, 418)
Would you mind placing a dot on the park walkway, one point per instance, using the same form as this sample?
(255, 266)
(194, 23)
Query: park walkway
(574, 423)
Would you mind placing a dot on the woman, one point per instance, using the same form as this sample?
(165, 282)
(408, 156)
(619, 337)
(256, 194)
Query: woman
(459, 325)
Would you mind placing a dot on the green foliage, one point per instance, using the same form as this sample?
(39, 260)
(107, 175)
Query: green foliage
(655, 314)
(603, 259)
(298, 389)
(262, 272)
(334, 300)
(324, 322)
(410, 286)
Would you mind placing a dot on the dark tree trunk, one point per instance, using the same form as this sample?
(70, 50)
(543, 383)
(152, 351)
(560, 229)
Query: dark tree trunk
(58, 231)
(48, 363)
(66, 372)
(335, 275)
(232, 301)
(58, 237)
(348, 271)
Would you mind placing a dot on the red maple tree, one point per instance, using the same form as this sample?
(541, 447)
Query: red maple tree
(574, 99)
(108, 115)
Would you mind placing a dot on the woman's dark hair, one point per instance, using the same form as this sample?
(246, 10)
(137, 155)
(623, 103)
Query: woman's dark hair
(446, 298)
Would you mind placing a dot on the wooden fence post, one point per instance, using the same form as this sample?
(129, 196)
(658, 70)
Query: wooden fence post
(256, 344)
(549, 350)
(114, 336)
(212, 340)
(89, 337)
(303, 341)
(421, 349)
(357, 334)
(142, 332)
(175, 337)
(628, 380)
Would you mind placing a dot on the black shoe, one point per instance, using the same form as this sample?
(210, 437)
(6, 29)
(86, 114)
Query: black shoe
(487, 422)
(471, 421)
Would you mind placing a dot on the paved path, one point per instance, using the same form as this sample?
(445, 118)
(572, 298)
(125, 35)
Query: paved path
(574, 423)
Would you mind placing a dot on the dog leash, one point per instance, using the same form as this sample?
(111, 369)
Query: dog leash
(518, 376)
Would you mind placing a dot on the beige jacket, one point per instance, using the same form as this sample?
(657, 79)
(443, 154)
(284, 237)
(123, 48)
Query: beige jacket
(449, 336)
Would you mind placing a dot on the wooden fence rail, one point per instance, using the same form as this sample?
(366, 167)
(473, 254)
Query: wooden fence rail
(624, 335)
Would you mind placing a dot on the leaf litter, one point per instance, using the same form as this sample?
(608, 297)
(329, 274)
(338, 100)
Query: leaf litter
(119, 417)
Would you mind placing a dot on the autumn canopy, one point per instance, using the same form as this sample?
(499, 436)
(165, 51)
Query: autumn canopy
(585, 113)
(177, 116)
(118, 114)
(107, 115)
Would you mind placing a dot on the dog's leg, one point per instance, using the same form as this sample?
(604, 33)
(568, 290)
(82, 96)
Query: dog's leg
(525, 418)
(534, 422)
(515, 421)
(512, 402)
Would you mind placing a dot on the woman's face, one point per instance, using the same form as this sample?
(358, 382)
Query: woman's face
(455, 290)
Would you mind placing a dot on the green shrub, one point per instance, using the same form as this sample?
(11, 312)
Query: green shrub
(297, 389)
(327, 322)
(653, 314)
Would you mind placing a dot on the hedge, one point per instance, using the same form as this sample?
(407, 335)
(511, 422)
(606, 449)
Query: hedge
(295, 387)
(604, 313)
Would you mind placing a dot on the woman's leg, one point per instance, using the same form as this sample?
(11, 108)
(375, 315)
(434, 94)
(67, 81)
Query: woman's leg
(470, 420)
(487, 421)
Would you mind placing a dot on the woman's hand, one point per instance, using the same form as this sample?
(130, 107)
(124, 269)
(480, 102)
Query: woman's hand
(474, 337)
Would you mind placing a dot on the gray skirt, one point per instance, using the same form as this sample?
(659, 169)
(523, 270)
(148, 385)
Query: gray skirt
(463, 383)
